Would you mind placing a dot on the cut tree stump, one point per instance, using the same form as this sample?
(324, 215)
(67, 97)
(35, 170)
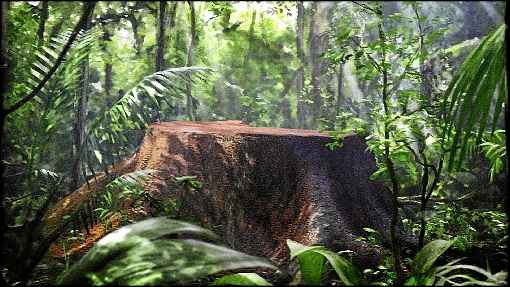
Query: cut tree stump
(262, 186)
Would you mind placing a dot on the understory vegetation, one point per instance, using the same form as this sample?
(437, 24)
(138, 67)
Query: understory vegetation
(423, 83)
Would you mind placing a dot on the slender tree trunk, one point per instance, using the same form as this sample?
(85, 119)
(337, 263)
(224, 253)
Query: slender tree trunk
(395, 190)
(285, 106)
(425, 69)
(161, 37)
(81, 116)
(339, 93)
(160, 42)
(138, 38)
(108, 68)
(300, 78)
(315, 63)
(425, 91)
(42, 23)
(189, 62)
(246, 112)
(4, 71)
(172, 13)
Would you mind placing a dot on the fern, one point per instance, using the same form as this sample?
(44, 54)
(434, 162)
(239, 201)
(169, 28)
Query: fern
(66, 76)
(135, 110)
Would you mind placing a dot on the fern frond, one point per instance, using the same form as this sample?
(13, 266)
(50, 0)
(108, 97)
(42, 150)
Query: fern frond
(136, 107)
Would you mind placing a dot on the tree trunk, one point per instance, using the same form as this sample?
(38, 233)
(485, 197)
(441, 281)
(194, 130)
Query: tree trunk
(395, 189)
(81, 116)
(108, 68)
(300, 78)
(172, 13)
(285, 105)
(246, 113)
(42, 23)
(315, 63)
(190, 109)
(3, 88)
(160, 42)
(138, 38)
(339, 93)
(425, 68)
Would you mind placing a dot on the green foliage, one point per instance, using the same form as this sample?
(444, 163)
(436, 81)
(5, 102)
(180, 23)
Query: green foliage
(494, 149)
(468, 227)
(130, 186)
(312, 260)
(423, 271)
(157, 251)
(242, 279)
(479, 86)
(373, 238)
(138, 106)
(428, 255)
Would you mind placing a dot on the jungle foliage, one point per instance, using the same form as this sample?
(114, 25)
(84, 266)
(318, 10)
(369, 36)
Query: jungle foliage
(425, 84)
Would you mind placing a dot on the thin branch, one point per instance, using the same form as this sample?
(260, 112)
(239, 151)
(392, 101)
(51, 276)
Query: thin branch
(365, 6)
(86, 12)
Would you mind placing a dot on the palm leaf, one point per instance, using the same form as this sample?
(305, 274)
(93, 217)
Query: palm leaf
(474, 93)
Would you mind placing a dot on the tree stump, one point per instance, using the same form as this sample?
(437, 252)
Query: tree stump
(262, 186)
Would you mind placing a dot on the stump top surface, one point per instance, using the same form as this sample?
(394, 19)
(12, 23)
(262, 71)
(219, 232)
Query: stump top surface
(231, 127)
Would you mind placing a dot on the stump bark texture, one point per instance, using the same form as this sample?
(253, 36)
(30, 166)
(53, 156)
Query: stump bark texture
(262, 186)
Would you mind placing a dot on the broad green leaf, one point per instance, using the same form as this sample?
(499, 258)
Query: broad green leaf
(148, 252)
(242, 279)
(345, 270)
(428, 255)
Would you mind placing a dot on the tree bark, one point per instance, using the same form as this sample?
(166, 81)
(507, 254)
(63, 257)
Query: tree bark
(138, 38)
(161, 39)
(315, 64)
(246, 113)
(285, 105)
(425, 69)
(173, 11)
(108, 69)
(3, 89)
(189, 62)
(42, 23)
(81, 116)
(300, 78)
(339, 93)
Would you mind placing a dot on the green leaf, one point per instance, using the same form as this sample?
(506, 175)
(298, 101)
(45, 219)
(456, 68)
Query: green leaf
(148, 252)
(345, 270)
(98, 156)
(472, 92)
(242, 279)
(428, 255)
